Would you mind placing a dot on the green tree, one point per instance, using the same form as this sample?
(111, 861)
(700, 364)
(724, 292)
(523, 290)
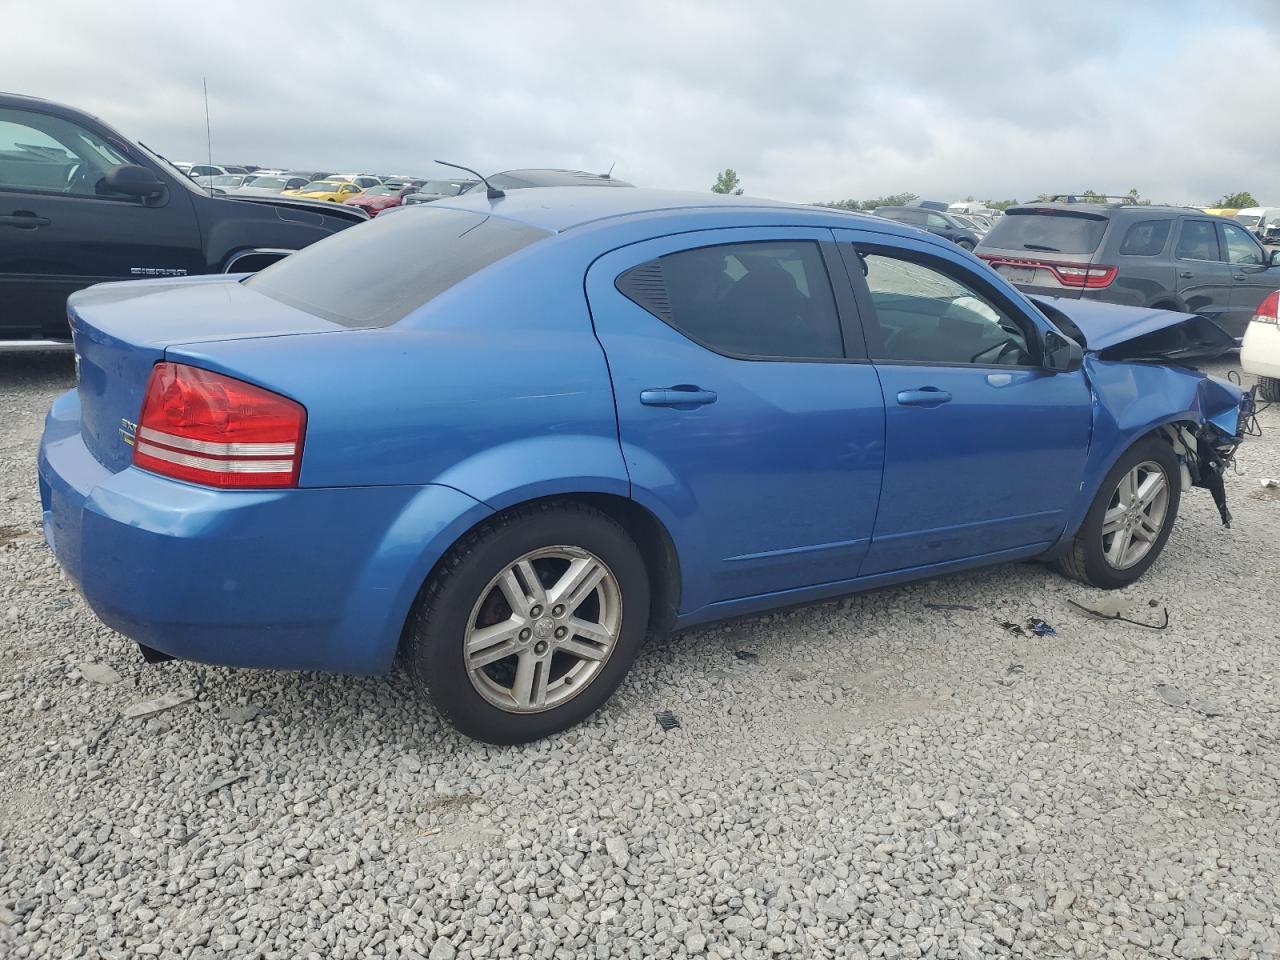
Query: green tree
(892, 200)
(1133, 196)
(1238, 200)
(727, 182)
(1000, 204)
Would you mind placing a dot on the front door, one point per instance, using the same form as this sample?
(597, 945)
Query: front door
(749, 418)
(984, 449)
(61, 229)
(1203, 276)
(1252, 275)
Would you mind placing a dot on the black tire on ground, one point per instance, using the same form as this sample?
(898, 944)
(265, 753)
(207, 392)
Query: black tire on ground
(433, 646)
(1085, 560)
(964, 245)
(1269, 389)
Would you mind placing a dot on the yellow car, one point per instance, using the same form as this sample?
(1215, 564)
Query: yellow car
(334, 190)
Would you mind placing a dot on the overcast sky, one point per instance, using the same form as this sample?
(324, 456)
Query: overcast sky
(807, 101)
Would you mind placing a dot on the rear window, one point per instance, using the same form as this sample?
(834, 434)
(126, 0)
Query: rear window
(1048, 231)
(377, 273)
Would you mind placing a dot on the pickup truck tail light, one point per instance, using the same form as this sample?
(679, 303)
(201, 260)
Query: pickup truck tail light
(1269, 309)
(1084, 275)
(214, 430)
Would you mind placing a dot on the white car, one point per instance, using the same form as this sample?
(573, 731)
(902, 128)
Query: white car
(362, 180)
(1260, 352)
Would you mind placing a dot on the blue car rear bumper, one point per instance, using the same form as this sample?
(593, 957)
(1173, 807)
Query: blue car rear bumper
(308, 579)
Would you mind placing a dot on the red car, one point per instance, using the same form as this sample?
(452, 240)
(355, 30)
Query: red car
(376, 199)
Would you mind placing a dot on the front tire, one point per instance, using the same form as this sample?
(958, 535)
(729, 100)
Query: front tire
(1130, 520)
(530, 622)
(1269, 389)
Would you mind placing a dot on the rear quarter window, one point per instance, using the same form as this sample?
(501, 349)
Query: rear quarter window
(1146, 238)
(375, 274)
(1048, 231)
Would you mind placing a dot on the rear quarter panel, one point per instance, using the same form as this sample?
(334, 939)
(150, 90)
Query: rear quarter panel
(497, 387)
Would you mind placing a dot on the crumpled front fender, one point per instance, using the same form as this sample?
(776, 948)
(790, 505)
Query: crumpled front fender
(1133, 398)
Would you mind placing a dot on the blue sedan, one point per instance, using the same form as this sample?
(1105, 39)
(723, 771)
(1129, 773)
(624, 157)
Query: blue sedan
(507, 437)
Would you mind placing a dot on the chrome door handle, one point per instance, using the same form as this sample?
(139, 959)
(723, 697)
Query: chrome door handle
(924, 397)
(683, 395)
(1186, 274)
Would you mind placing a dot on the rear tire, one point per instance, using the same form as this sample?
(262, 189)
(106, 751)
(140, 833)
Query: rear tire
(1130, 520)
(1269, 389)
(506, 659)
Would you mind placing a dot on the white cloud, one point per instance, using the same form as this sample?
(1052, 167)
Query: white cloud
(808, 101)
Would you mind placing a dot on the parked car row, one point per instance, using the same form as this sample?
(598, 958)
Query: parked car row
(81, 204)
(1172, 258)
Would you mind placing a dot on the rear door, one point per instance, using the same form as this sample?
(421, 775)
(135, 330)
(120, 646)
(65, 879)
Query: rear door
(1203, 276)
(937, 224)
(749, 417)
(60, 230)
(1252, 275)
(984, 450)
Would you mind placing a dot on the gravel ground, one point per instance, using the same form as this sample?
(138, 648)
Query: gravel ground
(866, 778)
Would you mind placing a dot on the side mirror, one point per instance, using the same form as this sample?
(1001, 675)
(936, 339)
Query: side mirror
(1275, 258)
(1060, 354)
(133, 180)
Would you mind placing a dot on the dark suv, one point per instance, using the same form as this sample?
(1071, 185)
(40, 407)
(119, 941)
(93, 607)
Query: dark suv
(80, 204)
(936, 222)
(1174, 258)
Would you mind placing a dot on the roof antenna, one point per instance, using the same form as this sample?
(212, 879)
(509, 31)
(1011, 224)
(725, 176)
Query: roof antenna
(208, 130)
(609, 175)
(493, 193)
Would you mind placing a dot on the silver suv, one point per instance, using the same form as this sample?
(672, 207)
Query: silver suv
(1174, 258)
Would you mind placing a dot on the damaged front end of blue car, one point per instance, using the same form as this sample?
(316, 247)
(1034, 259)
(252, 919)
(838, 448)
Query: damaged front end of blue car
(1141, 367)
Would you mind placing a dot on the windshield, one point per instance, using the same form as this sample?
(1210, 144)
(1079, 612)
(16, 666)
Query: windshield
(1047, 231)
(1248, 219)
(374, 277)
(228, 180)
(322, 186)
(271, 183)
(382, 191)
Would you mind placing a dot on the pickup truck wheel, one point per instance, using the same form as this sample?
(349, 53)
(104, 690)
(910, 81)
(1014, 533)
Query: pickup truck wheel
(1130, 520)
(1269, 389)
(530, 622)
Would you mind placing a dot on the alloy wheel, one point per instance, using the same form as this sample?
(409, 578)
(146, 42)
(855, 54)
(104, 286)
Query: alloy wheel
(542, 629)
(1135, 515)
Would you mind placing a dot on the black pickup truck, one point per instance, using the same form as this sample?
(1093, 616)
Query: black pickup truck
(80, 204)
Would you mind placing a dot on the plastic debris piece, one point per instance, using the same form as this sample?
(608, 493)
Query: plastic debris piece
(98, 673)
(166, 701)
(1015, 668)
(215, 785)
(240, 714)
(667, 720)
(1270, 483)
(1040, 628)
(746, 655)
(951, 606)
(1171, 695)
(1013, 628)
(1102, 612)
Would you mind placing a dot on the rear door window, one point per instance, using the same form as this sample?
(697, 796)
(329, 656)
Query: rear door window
(1048, 231)
(1198, 240)
(1146, 238)
(765, 300)
(376, 274)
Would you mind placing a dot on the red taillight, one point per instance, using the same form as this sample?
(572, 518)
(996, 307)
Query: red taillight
(1068, 274)
(1269, 309)
(218, 431)
(1092, 278)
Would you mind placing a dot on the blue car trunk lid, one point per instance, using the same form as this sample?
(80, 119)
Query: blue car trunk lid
(121, 330)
